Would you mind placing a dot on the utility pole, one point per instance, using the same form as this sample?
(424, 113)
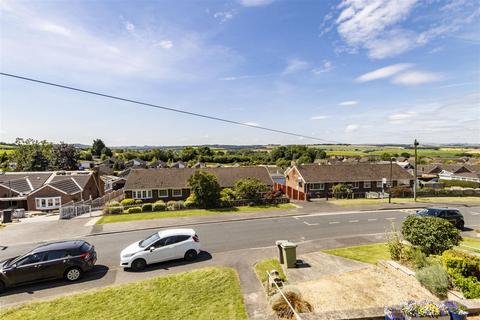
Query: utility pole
(391, 182)
(415, 144)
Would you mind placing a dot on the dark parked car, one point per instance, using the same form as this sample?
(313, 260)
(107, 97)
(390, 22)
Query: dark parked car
(452, 215)
(66, 259)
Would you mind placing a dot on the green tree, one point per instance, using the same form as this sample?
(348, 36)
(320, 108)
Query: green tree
(32, 155)
(206, 189)
(107, 152)
(339, 190)
(250, 189)
(97, 147)
(188, 153)
(65, 157)
(386, 156)
(116, 166)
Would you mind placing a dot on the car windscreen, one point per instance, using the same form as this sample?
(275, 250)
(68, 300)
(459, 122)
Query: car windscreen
(423, 212)
(149, 241)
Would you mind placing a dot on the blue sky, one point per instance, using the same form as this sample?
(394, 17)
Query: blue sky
(351, 71)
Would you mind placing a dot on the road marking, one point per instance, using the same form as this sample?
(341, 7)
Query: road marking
(391, 219)
(346, 212)
(310, 224)
(372, 219)
(475, 213)
(296, 218)
(334, 222)
(352, 221)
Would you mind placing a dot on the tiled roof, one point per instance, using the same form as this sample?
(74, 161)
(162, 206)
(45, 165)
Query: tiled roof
(352, 172)
(66, 185)
(178, 177)
(37, 179)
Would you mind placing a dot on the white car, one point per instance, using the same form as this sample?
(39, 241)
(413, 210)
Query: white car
(161, 246)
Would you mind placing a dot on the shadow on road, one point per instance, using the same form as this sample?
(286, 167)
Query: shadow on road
(98, 272)
(202, 256)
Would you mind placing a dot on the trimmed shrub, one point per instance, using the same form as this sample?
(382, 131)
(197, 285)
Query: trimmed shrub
(115, 210)
(147, 207)
(416, 257)
(138, 201)
(458, 183)
(434, 278)
(464, 269)
(431, 235)
(175, 205)
(228, 194)
(401, 192)
(250, 189)
(134, 210)
(113, 204)
(127, 202)
(159, 206)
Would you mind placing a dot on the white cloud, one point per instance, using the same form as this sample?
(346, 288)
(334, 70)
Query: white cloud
(375, 25)
(165, 44)
(129, 26)
(400, 117)
(348, 103)
(351, 128)
(413, 77)
(384, 72)
(319, 117)
(53, 28)
(294, 66)
(223, 16)
(254, 124)
(254, 3)
(327, 67)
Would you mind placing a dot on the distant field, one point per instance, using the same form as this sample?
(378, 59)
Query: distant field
(363, 151)
(7, 151)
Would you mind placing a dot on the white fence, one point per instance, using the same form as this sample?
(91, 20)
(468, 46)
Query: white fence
(69, 212)
(73, 209)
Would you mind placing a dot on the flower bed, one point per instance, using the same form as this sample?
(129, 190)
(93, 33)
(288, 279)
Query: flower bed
(427, 310)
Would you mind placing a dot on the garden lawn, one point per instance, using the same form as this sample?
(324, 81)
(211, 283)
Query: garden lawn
(354, 202)
(262, 267)
(369, 253)
(210, 293)
(471, 244)
(188, 213)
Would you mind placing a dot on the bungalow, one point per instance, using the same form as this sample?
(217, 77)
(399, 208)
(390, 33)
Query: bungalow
(172, 183)
(462, 172)
(316, 181)
(47, 190)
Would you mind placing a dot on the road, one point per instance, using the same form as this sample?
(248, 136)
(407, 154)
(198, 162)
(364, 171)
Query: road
(218, 238)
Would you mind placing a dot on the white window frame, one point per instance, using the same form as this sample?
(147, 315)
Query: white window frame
(321, 186)
(142, 194)
(355, 185)
(379, 184)
(367, 184)
(42, 203)
(163, 196)
(177, 195)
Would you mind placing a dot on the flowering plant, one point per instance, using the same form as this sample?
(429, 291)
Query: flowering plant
(456, 308)
(393, 313)
(424, 309)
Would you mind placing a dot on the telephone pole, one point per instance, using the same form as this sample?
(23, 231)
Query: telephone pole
(415, 144)
(391, 182)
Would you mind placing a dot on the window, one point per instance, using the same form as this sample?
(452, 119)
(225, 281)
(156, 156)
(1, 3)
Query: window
(379, 184)
(176, 192)
(317, 186)
(142, 194)
(367, 184)
(33, 258)
(48, 203)
(355, 185)
(56, 254)
(163, 193)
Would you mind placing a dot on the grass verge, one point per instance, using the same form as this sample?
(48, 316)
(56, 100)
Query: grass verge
(470, 244)
(210, 293)
(262, 267)
(188, 213)
(353, 202)
(369, 253)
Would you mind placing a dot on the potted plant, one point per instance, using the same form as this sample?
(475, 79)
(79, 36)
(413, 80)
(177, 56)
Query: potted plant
(457, 311)
(393, 314)
(424, 310)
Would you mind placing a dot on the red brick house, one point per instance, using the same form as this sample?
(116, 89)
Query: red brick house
(47, 190)
(172, 183)
(316, 181)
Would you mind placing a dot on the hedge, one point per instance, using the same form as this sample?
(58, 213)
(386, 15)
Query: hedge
(147, 207)
(128, 202)
(134, 210)
(114, 210)
(459, 183)
(464, 270)
(159, 206)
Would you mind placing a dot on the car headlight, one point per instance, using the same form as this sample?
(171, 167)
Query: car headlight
(128, 255)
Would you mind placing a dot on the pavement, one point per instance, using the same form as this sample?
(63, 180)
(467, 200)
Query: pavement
(234, 240)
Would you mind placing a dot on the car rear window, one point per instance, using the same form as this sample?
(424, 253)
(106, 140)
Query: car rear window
(85, 247)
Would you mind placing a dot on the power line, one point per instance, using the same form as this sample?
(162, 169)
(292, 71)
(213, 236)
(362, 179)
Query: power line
(164, 108)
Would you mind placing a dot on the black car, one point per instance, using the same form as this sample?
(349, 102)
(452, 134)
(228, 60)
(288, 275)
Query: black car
(66, 259)
(452, 215)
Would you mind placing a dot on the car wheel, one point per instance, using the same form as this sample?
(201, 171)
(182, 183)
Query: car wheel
(73, 274)
(191, 255)
(460, 225)
(139, 265)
